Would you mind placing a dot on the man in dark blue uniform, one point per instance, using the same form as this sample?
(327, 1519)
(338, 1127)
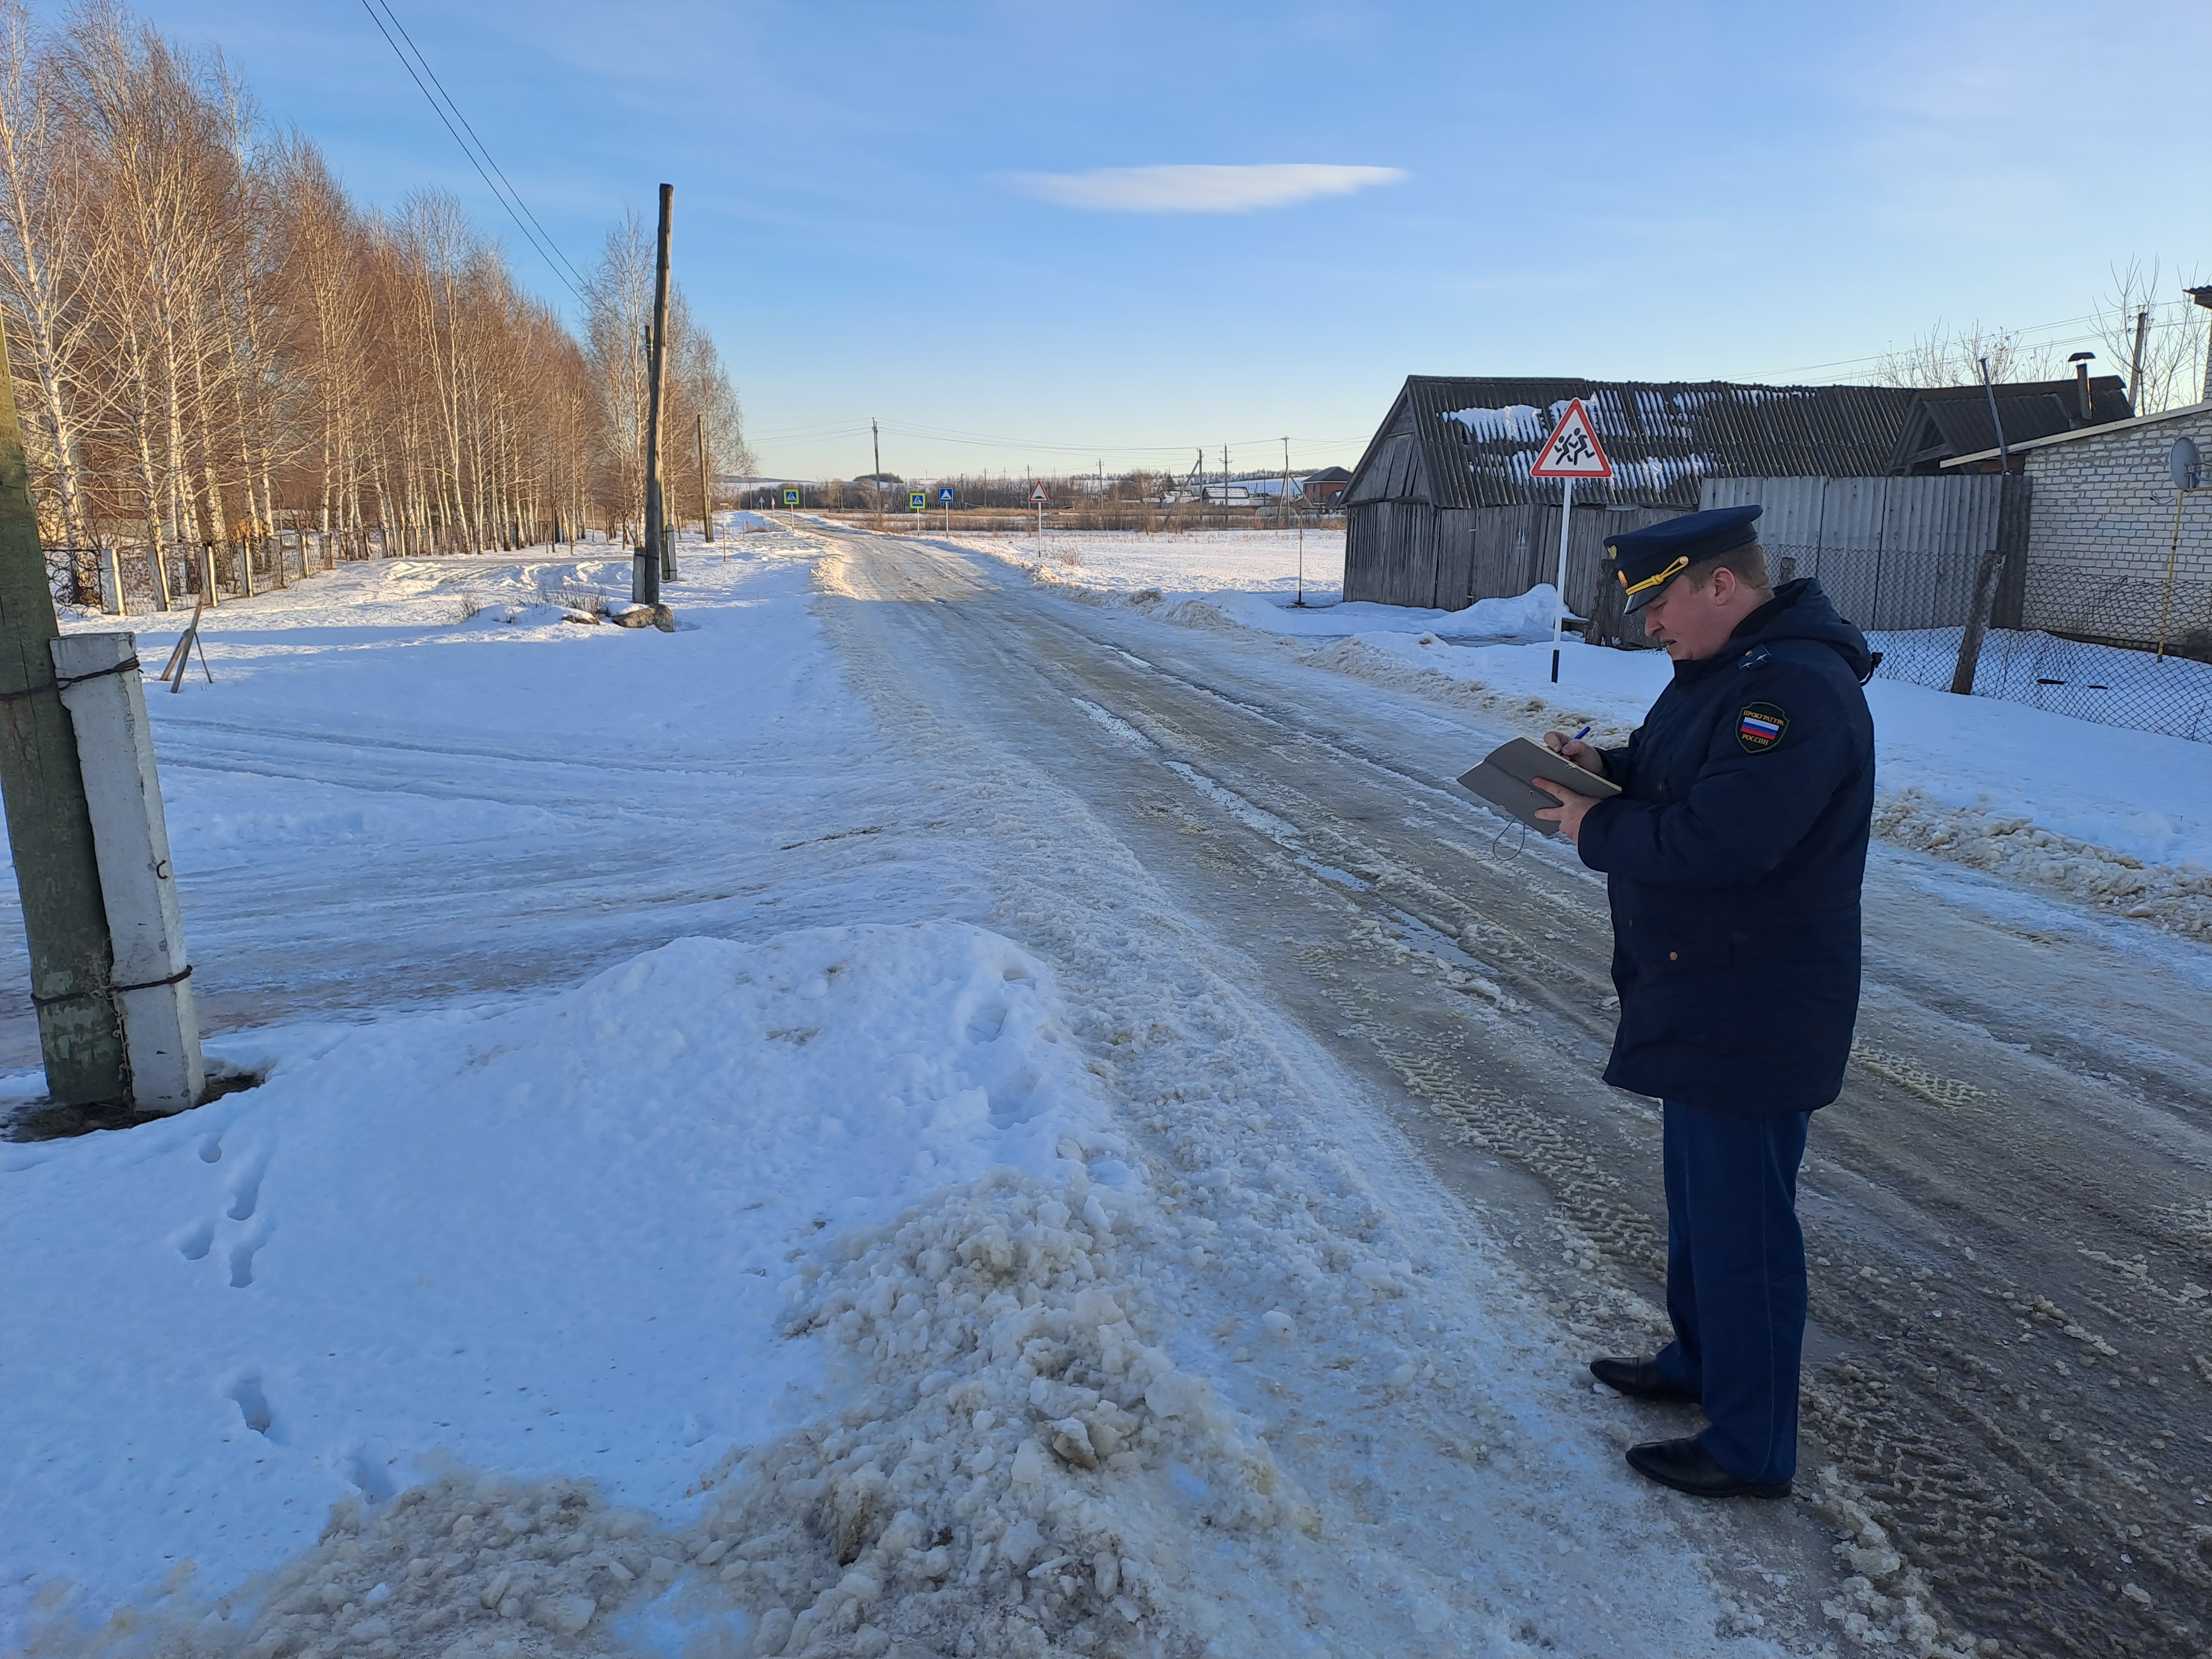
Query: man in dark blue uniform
(1734, 856)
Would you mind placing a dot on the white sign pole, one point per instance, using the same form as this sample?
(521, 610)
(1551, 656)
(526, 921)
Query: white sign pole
(1559, 610)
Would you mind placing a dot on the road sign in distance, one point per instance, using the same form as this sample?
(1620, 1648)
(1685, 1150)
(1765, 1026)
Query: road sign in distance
(1572, 450)
(791, 498)
(917, 500)
(1038, 495)
(945, 496)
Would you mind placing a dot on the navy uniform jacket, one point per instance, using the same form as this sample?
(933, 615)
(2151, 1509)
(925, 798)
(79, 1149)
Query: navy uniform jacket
(1734, 858)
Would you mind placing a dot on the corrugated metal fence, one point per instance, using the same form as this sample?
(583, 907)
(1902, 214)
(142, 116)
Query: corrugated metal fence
(1891, 552)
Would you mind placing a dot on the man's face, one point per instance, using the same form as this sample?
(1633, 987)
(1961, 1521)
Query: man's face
(1694, 622)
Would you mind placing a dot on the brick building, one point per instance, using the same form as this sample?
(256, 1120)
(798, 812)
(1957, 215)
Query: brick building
(2103, 561)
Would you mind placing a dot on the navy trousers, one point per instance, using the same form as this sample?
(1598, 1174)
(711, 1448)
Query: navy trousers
(1735, 1281)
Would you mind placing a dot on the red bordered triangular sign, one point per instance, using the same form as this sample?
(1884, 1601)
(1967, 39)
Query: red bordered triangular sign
(1572, 450)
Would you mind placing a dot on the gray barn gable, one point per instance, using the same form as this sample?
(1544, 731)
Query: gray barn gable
(1442, 510)
(1456, 442)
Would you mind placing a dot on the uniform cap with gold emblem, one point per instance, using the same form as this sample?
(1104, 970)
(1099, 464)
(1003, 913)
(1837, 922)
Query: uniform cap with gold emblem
(1647, 561)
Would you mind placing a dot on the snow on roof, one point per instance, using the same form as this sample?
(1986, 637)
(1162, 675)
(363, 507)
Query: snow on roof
(1477, 438)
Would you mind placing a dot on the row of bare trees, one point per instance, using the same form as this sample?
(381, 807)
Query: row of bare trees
(2151, 336)
(208, 339)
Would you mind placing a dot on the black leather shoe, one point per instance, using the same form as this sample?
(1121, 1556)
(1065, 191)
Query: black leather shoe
(1641, 1377)
(1688, 1466)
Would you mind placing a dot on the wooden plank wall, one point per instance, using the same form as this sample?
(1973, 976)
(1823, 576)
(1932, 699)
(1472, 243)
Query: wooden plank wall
(1390, 553)
(1409, 553)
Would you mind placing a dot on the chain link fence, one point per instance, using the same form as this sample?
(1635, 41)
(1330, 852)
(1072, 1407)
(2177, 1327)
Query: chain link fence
(2076, 642)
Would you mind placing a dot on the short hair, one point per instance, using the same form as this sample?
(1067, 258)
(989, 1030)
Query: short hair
(1748, 562)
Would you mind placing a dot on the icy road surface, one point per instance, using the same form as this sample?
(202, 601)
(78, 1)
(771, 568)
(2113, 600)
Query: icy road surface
(2009, 1210)
(1338, 1208)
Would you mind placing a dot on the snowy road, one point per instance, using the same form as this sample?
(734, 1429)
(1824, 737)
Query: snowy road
(1347, 1205)
(2008, 1207)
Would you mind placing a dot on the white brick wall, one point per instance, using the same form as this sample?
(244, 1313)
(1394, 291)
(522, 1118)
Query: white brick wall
(2103, 510)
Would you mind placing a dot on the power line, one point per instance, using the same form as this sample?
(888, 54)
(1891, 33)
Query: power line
(480, 144)
(2180, 308)
(546, 250)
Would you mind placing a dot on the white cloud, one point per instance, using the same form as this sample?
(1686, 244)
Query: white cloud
(1201, 189)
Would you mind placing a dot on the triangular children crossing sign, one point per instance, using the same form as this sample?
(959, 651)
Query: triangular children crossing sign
(1572, 450)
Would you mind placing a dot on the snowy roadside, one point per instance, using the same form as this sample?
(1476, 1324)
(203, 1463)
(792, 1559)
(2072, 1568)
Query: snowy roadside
(978, 1271)
(2118, 818)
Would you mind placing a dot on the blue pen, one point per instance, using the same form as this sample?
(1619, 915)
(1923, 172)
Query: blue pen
(1580, 735)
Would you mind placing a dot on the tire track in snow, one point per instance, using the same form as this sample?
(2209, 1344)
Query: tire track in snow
(1935, 1419)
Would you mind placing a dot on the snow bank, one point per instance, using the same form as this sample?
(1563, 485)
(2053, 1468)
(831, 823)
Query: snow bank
(551, 1238)
(2118, 818)
(1526, 617)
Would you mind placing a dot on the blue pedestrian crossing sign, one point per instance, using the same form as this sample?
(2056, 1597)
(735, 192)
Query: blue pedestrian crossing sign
(945, 496)
(918, 499)
(791, 498)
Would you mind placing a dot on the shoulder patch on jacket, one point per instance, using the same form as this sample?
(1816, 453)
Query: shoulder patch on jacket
(1760, 725)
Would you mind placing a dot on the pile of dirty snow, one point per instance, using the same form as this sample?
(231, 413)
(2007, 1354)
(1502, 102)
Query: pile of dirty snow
(553, 1238)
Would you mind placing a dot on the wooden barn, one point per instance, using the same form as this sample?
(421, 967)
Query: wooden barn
(1442, 511)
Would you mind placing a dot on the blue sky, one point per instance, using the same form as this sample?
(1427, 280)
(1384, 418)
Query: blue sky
(880, 210)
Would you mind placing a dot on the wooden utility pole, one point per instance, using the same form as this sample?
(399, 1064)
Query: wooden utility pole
(49, 820)
(706, 496)
(645, 569)
(875, 434)
(2136, 361)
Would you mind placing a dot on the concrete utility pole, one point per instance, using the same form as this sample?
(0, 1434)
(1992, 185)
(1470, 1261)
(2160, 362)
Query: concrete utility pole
(877, 437)
(49, 822)
(152, 981)
(647, 568)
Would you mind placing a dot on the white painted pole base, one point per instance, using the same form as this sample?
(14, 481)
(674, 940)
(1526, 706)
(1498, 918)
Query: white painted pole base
(131, 840)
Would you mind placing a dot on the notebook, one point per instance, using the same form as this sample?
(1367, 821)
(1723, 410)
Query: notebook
(1502, 778)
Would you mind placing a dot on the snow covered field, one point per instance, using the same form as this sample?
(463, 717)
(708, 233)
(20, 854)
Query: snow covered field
(2120, 816)
(728, 1177)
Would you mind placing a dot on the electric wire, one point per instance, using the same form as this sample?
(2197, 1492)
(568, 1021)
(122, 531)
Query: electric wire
(2180, 309)
(482, 146)
(545, 251)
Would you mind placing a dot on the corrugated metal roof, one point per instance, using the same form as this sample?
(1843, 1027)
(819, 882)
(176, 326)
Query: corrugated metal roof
(1477, 438)
(1955, 420)
(2131, 425)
